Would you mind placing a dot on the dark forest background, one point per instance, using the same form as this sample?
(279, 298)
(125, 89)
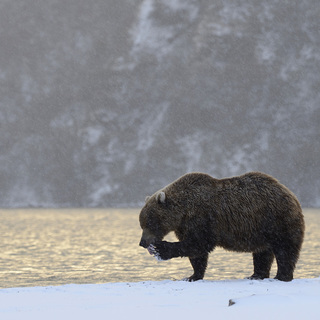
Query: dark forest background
(105, 101)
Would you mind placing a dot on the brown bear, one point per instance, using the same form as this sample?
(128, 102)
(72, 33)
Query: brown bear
(249, 213)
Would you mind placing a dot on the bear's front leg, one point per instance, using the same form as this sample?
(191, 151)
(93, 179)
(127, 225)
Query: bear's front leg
(199, 265)
(164, 250)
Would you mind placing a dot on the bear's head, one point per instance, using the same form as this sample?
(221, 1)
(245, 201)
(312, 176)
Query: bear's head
(156, 219)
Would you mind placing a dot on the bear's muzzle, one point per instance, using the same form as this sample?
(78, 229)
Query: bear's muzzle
(143, 243)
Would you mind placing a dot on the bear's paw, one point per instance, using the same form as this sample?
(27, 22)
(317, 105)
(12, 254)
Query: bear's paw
(154, 252)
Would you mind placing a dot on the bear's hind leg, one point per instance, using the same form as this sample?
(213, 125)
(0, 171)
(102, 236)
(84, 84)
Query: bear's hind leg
(199, 266)
(262, 262)
(286, 260)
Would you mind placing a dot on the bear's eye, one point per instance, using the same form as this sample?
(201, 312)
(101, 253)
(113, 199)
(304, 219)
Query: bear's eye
(154, 225)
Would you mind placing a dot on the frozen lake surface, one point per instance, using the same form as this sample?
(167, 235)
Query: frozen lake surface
(44, 247)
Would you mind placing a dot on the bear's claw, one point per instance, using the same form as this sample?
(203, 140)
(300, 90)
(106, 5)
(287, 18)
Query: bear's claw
(152, 249)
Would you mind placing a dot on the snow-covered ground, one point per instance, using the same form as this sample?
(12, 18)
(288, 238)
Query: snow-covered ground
(267, 299)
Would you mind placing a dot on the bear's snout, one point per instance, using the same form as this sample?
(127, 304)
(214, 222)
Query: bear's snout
(143, 243)
(147, 238)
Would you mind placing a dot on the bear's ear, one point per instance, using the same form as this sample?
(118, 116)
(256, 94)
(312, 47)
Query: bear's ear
(147, 199)
(161, 197)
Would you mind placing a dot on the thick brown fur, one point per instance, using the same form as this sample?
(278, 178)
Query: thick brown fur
(249, 213)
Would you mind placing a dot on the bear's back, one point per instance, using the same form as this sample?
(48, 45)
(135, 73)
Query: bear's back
(248, 195)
